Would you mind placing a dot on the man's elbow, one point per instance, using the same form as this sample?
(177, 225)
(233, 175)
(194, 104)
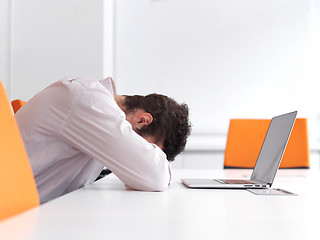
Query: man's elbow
(161, 186)
(158, 183)
(152, 179)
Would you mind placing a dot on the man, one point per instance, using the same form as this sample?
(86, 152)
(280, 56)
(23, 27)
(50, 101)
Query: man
(76, 126)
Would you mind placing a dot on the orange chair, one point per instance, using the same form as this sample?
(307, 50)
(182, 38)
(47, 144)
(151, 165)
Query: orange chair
(17, 104)
(17, 185)
(245, 139)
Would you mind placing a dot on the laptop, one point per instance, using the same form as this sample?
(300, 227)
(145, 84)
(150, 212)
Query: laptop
(267, 163)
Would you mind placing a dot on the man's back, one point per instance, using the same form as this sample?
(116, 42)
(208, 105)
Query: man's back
(74, 128)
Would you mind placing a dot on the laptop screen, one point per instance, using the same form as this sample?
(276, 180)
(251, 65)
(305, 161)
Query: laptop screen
(273, 148)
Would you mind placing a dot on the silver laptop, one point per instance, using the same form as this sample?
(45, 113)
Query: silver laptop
(267, 163)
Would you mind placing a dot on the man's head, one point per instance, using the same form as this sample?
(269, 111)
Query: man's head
(160, 120)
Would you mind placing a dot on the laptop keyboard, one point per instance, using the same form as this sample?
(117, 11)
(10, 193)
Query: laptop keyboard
(234, 181)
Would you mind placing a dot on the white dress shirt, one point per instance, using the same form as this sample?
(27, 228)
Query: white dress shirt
(73, 128)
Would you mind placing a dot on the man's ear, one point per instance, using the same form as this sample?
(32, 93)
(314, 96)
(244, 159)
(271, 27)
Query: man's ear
(143, 119)
(139, 118)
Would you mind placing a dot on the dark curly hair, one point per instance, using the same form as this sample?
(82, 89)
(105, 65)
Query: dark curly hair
(170, 123)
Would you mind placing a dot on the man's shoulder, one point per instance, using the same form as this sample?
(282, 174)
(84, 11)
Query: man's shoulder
(86, 82)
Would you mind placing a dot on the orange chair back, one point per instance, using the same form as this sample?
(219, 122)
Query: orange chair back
(17, 104)
(245, 139)
(17, 184)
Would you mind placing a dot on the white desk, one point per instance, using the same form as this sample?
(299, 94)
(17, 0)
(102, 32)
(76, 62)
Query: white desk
(107, 210)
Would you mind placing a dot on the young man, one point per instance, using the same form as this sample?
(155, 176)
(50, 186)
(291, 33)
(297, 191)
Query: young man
(76, 126)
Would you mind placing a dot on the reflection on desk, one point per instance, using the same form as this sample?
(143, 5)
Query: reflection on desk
(107, 210)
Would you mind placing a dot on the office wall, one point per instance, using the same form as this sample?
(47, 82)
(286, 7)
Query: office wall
(4, 41)
(249, 58)
(51, 39)
(226, 59)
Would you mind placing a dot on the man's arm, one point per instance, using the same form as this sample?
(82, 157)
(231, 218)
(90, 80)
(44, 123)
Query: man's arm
(98, 127)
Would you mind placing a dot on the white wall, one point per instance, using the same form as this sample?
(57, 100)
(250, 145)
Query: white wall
(52, 39)
(4, 42)
(249, 58)
(226, 59)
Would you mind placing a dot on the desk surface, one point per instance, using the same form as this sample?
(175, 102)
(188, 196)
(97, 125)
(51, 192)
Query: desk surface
(107, 210)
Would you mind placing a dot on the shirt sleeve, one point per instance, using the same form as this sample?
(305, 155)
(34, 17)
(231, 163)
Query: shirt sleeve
(97, 127)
